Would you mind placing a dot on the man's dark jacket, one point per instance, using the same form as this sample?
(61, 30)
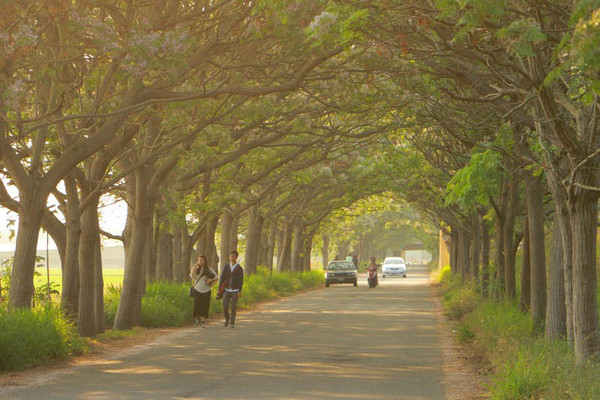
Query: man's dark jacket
(236, 281)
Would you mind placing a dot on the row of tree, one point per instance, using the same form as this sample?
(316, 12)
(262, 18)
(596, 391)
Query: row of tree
(483, 114)
(197, 114)
(502, 139)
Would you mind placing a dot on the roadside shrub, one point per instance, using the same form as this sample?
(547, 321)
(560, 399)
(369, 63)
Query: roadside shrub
(523, 375)
(111, 303)
(461, 301)
(445, 275)
(158, 311)
(464, 333)
(499, 325)
(311, 279)
(31, 337)
(525, 364)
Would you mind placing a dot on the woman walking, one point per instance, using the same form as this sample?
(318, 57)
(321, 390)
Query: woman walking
(204, 277)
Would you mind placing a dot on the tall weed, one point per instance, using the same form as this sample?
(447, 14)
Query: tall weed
(526, 365)
(31, 337)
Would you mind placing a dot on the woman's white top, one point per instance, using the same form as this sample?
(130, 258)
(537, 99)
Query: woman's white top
(201, 285)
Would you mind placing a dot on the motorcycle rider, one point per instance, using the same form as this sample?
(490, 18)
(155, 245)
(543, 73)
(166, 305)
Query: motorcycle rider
(372, 274)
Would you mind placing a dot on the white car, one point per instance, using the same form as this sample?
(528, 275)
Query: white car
(393, 266)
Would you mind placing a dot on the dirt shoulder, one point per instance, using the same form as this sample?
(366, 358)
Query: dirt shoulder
(465, 372)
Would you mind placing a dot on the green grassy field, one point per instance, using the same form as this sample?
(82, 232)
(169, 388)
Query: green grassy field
(111, 276)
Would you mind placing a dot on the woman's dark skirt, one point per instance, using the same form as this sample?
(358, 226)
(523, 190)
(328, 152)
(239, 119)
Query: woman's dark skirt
(201, 304)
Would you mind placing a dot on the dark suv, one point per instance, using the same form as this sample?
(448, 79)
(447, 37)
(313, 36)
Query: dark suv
(341, 272)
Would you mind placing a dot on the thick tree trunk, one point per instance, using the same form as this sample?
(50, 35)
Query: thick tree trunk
(454, 245)
(253, 239)
(510, 216)
(130, 304)
(556, 312)
(225, 248)
(325, 250)
(70, 272)
(233, 233)
(485, 257)
(584, 221)
(272, 240)
(285, 262)
(525, 299)
(210, 248)
(306, 256)
(87, 271)
(31, 211)
(164, 257)
(464, 246)
(199, 248)
(534, 191)
(150, 253)
(562, 216)
(98, 287)
(476, 246)
(176, 247)
(499, 258)
(280, 236)
(297, 247)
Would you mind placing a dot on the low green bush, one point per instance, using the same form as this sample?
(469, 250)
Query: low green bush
(31, 337)
(525, 364)
(461, 301)
(111, 303)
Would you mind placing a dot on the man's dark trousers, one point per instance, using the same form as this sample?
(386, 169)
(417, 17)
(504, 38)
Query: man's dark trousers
(227, 298)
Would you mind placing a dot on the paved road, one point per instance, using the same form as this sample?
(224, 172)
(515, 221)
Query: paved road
(339, 342)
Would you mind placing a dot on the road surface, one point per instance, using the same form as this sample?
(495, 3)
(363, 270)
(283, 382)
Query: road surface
(341, 342)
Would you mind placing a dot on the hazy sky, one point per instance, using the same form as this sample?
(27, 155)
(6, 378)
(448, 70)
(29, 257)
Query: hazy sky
(112, 219)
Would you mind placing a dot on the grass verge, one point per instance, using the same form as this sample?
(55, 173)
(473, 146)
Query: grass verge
(526, 365)
(35, 337)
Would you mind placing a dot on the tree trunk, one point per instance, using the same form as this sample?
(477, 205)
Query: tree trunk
(272, 240)
(325, 250)
(150, 253)
(70, 272)
(176, 247)
(31, 211)
(556, 312)
(534, 191)
(225, 248)
(98, 287)
(525, 299)
(264, 245)
(164, 257)
(130, 304)
(210, 248)
(499, 258)
(253, 239)
(284, 263)
(280, 236)
(233, 233)
(87, 271)
(454, 251)
(476, 246)
(297, 247)
(562, 216)
(584, 217)
(510, 216)
(306, 256)
(485, 257)
(464, 245)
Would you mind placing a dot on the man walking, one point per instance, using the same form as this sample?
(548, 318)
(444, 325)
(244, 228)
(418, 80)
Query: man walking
(232, 280)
